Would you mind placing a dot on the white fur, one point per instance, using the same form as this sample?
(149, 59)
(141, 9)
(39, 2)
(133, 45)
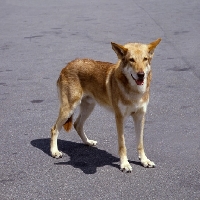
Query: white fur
(127, 110)
(128, 71)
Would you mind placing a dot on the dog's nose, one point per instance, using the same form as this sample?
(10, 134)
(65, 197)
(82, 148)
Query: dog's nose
(140, 75)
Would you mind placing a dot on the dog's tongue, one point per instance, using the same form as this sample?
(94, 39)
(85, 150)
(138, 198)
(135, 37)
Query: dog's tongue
(139, 82)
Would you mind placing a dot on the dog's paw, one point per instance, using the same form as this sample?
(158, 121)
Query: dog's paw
(148, 163)
(91, 142)
(56, 154)
(126, 167)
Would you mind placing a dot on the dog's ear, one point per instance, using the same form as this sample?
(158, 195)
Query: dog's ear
(119, 50)
(153, 45)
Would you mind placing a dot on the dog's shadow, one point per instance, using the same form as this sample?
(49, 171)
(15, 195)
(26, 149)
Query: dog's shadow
(84, 157)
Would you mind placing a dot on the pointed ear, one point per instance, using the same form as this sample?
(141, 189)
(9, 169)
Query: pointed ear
(119, 50)
(153, 45)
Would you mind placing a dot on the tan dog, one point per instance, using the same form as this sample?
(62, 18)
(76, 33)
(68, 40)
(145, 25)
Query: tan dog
(122, 88)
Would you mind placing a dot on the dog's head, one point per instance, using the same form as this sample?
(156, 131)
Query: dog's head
(135, 59)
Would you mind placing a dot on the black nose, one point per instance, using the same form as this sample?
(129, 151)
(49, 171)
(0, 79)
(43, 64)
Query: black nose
(140, 75)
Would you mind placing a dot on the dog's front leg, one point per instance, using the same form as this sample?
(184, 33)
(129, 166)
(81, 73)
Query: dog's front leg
(124, 164)
(139, 119)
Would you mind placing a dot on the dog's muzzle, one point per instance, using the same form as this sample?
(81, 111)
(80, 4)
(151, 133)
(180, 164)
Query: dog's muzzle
(140, 78)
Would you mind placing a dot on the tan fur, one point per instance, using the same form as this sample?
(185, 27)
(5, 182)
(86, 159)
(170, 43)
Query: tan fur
(122, 88)
(68, 124)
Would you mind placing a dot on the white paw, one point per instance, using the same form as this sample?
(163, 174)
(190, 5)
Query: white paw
(147, 163)
(56, 154)
(91, 142)
(126, 167)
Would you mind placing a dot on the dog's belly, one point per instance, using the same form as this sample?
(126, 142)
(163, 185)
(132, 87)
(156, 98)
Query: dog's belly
(103, 102)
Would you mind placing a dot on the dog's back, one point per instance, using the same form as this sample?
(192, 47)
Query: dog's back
(88, 77)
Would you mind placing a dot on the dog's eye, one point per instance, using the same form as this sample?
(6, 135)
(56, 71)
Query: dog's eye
(145, 59)
(131, 60)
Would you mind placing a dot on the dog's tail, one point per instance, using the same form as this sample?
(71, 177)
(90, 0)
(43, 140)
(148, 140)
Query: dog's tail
(68, 124)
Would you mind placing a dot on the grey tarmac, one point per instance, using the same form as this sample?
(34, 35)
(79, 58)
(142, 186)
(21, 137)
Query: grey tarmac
(37, 39)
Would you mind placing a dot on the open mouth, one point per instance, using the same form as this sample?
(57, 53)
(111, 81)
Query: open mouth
(139, 81)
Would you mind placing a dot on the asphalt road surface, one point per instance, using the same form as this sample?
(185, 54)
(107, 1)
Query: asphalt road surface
(37, 39)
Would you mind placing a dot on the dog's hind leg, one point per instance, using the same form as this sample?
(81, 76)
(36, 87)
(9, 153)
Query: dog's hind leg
(64, 114)
(86, 107)
(68, 102)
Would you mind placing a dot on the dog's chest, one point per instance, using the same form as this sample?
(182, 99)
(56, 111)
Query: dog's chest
(127, 110)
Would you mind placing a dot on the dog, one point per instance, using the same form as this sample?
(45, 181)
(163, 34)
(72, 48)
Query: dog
(123, 88)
